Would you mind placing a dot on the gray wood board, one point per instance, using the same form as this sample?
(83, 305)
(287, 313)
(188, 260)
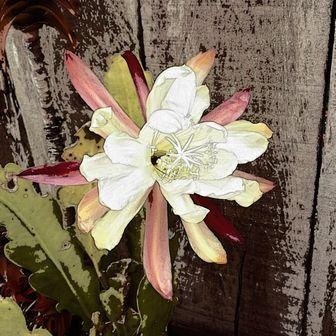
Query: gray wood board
(279, 48)
(321, 319)
(50, 109)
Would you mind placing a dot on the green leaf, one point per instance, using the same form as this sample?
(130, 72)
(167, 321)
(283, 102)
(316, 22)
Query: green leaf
(90, 248)
(39, 244)
(130, 325)
(154, 310)
(119, 83)
(12, 321)
(135, 234)
(87, 143)
(113, 299)
(69, 196)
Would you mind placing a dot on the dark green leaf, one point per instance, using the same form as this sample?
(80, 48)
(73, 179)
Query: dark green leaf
(39, 244)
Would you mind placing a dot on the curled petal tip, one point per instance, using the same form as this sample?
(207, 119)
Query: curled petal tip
(245, 95)
(266, 187)
(231, 109)
(202, 63)
(167, 295)
(68, 55)
(222, 260)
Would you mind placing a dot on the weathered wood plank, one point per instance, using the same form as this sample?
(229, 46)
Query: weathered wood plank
(279, 48)
(50, 107)
(321, 319)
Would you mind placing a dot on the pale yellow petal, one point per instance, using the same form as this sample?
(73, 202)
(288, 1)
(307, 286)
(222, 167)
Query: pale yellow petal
(201, 64)
(244, 125)
(104, 122)
(108, 230)
(201, 103)
(249, 195)
(184, 207)
(89, 210)
(205, 243)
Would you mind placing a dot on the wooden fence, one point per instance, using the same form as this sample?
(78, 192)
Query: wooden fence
(283, 281)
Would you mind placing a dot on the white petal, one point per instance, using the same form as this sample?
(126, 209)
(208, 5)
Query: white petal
(203, 133)
(104, 122)
(99, 166)
(249, 195)
(116, 193)
(227, 187)
(244, 125)
(204, 243)
(184, 207)
(108, 230)
(121, 148)
(226, 164)
(167, 121)
(201, 103)
(173, 89)
(246, 141)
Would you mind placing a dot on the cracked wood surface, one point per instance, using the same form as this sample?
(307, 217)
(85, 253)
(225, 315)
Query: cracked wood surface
(279, 47)
(321, 319)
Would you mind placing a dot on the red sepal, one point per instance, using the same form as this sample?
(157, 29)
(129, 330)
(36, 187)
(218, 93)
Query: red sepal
(60, 173)
(216, 222)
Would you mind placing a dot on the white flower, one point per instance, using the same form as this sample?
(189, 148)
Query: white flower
(183, 156)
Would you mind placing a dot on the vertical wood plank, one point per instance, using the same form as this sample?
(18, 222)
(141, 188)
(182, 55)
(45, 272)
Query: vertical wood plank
(321, 318)
(279, 48)
(50, 109)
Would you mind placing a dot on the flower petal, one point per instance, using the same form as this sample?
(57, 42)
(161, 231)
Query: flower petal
(167, 121)
(121, 148)
(201, 103)
(99, 166)
(246, 140)
(205, 243)
(174, 89)
(201, 64)
(264, 185)
(249, 195)
(231, 109)
(60, 173)
(139, 79)
(184, 207)
(201, 134)
(89, 210)
(216, 222)
(94, 93)
(156, 257)
(244, 125)
(109, 229)
(104, 122)
(226, 163)
(117, 192)
(224, 188)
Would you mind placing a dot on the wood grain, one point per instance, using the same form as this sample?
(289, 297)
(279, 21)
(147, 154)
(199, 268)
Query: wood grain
(321, 319)
(49, 106)
(279, 48)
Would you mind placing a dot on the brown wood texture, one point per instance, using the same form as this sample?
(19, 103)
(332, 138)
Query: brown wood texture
(321, 319)
(280, 48)
(49, 109)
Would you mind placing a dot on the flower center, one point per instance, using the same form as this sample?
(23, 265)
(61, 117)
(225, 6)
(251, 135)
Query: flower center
(183, 161)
